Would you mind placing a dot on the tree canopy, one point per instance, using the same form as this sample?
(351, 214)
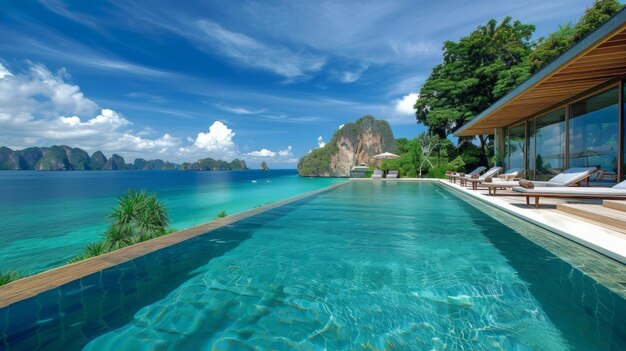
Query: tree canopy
(491, 61)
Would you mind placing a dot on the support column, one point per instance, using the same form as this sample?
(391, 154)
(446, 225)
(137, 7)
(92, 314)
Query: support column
(498, 146)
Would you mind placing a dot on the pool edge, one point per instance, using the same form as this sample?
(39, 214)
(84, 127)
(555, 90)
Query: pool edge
(38, 283)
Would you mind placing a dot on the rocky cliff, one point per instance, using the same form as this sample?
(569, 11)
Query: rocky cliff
(209, 164)
(65, 158)
(353, 144)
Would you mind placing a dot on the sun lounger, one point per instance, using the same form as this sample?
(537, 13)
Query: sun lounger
(570, 177)
(510, 178)
(377, 174)
(492, 172)
(456, 176)
(617, 192)
(512, 174)
(392, 174)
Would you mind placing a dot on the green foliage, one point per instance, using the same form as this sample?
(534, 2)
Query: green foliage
(221, 215)
(7, 277)
(488, 63)
(437, 172)
(456, 165)
(464, 84)
(550, 47)
(139, 216)
(407, 163)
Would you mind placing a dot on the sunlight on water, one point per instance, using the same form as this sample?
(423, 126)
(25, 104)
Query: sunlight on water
(366, 266)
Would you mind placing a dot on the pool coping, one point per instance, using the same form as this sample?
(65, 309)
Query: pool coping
(36, 284)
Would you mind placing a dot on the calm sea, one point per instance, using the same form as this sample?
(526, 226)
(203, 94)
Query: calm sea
(48, 217)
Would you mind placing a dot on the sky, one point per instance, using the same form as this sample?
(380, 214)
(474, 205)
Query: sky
(260, 81)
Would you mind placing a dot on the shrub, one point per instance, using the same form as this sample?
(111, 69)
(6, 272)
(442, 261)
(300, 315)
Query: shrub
(221, 215)
(7, 277)
(456, 165)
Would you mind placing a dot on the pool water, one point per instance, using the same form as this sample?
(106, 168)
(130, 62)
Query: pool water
(365, 266)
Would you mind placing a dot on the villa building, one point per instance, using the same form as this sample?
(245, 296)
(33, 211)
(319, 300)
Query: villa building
(569, 114)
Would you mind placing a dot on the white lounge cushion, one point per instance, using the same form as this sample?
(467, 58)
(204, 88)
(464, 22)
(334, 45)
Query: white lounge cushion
(566, 190)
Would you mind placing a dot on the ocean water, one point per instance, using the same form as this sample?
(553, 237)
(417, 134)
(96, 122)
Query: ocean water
(48, 217)
(365, 266)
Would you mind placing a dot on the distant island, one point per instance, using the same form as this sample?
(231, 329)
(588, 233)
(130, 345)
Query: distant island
(65, 158)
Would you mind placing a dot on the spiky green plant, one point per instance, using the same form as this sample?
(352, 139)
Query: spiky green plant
(139, 216)
(118, 236)
(96, 249)
(221, 215)
(7, 277)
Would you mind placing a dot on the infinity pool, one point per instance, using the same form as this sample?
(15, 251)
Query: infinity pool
(365, 266)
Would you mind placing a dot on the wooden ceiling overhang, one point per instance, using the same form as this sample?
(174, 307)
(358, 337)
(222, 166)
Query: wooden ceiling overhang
(597, 59)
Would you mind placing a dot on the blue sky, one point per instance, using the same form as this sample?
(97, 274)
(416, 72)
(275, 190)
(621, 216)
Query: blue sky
(267, 80)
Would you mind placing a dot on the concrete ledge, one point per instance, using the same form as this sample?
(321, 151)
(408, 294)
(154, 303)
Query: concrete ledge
(33, 285)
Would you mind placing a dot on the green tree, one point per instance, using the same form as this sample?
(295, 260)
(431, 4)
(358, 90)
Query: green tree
(549, 48)
(476, 71)
(407, 163)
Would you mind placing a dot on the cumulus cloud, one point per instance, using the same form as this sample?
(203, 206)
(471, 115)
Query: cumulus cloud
(39, 108)
(262, 153)
(217, 141)
(405, 104)
(286, 152)
(4, 72)
(283, 156)
(320, 142)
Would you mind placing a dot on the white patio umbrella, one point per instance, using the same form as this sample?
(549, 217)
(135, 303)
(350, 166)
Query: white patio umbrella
(385, 156)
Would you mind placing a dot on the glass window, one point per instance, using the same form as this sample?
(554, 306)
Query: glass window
(530, 169)
(516, 143)
(594, 134)
(550, 145)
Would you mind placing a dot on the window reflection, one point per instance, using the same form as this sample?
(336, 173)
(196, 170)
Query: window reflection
(550, 144)
(517, 146)
(594, 134)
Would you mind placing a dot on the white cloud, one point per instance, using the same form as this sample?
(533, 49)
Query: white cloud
(282, 156)
(4, 72)
(414, 48)
(252, 53)
(352, 76)
(238, 110)
(219, 139)
(286, 152)
(40, 108)
(405, 104)
(341, 126)
(262, 153)
(320, 142)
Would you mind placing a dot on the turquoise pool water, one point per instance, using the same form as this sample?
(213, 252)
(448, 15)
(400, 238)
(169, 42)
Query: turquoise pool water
(48, 217)
(366, 266)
